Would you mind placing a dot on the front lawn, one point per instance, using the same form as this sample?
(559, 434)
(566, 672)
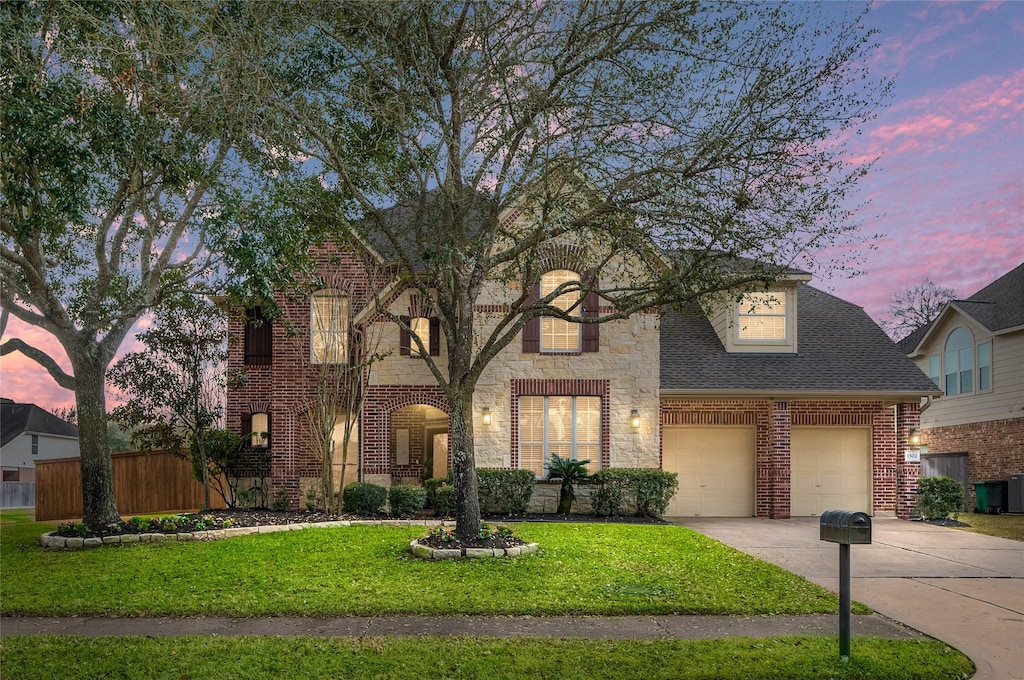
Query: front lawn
(514, 658)
(1003, 526)
(17, 515)
(595, 569)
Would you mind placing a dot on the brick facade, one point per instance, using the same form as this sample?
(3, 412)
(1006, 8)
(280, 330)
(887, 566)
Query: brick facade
(893, 483)
(995, 449)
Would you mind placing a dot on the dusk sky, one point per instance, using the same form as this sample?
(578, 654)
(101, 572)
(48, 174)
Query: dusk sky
(947, 192)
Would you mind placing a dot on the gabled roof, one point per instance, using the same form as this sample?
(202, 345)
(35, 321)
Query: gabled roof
(999, 306)
(841, 351)
(17, 419)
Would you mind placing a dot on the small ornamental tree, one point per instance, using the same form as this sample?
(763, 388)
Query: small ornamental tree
(571, 472)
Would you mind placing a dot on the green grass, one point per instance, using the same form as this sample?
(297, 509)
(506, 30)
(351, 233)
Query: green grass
(1003, 526)
(297, 658)
(17, 515)
(596, 569)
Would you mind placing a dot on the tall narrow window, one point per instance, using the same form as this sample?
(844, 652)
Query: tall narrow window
(935, 369)
(560, 335)
(35, 445)
(329, 316)
(762, 316)
(421, 329)
(569, 427)
(959, 362)
(260, 434)
(984, 366)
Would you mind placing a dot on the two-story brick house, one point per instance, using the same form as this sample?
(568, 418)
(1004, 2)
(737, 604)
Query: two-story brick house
(789, 401)
(974, 352)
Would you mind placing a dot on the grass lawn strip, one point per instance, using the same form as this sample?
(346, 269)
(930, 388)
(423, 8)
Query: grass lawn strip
(263, 657)
(586, 569)
(1003, 526)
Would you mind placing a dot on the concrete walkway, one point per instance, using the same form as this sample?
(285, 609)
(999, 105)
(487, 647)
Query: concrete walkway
(594, 627)
(962, 588)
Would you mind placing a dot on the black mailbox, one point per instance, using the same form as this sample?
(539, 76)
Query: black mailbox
(845, 527)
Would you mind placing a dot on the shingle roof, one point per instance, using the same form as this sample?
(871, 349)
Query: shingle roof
(16, 419)
(997, 306)
(840, 350)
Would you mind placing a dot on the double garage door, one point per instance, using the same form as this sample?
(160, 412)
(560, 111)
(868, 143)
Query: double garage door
(830, 468)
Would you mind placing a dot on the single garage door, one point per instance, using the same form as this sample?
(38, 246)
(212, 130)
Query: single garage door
(715, 467)
(830, 470)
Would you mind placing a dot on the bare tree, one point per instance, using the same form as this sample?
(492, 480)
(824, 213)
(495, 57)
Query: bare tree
(339, 373)
(914, 307)
(670, 144)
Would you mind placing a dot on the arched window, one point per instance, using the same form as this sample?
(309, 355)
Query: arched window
(329, 316)
(958, 357)
(559, 335)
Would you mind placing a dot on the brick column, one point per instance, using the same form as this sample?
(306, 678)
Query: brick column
(284, 474)
(780, 460)
(908, 417)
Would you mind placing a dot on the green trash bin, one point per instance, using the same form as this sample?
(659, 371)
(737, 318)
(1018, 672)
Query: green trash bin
(997, 496)
(981, 497)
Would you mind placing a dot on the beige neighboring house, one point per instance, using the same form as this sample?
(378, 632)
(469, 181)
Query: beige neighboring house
(29, 434)
(974, 352)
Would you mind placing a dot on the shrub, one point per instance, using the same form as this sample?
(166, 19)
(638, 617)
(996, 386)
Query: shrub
(406, 500)
(649, 489)
(939, 497)
(504, 492)
(571, 472)
(444, 501)
(432, 485)
(360, 498)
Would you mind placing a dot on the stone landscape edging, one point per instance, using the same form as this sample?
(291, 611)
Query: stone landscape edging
(52, 541)
(428, 553)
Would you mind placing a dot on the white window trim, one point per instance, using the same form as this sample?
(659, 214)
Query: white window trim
(780, 297)
(595, 463)
(577, 311)
(975, 369)
(423, 333)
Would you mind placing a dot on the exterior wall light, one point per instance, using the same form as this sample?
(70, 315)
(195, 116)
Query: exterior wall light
(487, 415)
(915, 438)
(634, 419)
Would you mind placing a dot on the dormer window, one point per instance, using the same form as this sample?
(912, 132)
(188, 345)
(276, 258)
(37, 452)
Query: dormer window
(761, 317)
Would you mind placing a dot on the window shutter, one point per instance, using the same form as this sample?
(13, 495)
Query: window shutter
(435, 336)
(403, 336)
(259, 338)
(591, 310)
(531, 331)
(270, 429)
(247, 428)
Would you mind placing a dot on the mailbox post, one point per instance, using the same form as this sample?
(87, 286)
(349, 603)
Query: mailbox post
(845, 528)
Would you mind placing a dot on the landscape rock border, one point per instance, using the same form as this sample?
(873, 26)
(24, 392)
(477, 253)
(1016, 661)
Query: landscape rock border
(428, 553)
(52, 541)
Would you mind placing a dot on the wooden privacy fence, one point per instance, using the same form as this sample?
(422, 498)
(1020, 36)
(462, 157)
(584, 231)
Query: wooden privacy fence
(143, 483)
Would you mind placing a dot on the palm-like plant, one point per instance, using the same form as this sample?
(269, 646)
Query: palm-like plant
(571, 472)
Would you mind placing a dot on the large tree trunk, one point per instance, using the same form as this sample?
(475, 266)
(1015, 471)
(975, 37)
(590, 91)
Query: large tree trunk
(99, 506)
(467, 499)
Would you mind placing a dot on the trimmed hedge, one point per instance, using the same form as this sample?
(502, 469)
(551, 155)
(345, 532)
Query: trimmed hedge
(650, 490)
(361, 498)
(432, 485)
(406, 500)
(444, 501)
(504, 492)
(939, 497)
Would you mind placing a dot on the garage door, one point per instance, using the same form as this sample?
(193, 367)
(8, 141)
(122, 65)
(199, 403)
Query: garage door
(715, 467)
(830, 470)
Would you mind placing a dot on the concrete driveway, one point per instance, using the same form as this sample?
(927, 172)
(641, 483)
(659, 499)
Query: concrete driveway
(962, 588)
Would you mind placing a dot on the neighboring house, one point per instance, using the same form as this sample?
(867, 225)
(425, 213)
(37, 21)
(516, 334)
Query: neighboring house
(787, 403)
(974, 352)
(29, 434)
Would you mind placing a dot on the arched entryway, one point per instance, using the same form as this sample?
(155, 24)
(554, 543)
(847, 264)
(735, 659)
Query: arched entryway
(418, 444)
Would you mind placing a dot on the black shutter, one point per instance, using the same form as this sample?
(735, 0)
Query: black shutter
(259, 338)
(247, 429)
(435, 336)
(403, 336)
(531, 331)
(591, 310)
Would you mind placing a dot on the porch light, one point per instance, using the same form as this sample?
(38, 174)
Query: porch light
(634, 419)
(915, 438)
(487, 415)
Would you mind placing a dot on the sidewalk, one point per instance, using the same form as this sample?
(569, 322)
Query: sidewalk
(616, 628)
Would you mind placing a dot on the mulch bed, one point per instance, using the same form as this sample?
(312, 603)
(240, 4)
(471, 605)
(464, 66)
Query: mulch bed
(219, 519)
(945, 523)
